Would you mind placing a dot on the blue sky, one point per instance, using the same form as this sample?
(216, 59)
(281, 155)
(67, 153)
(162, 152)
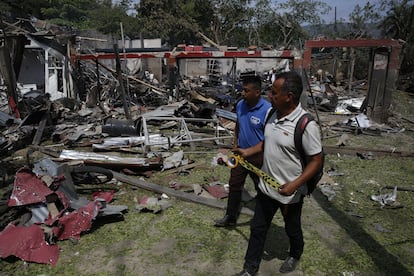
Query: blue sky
(344, 8)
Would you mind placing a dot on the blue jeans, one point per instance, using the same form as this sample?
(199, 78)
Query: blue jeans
(265, 210)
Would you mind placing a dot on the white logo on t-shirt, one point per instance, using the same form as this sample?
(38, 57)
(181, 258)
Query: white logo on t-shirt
(254, 120)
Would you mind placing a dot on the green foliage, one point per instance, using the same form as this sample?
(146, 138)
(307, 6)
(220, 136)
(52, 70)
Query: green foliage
(228, 16)
(23, 8)
(305, 11)
(281, 24)
(167, 20)
(107, 20)
(360, 17)
(399, 24)
(69, 13)
(398, 20)
(226, 22)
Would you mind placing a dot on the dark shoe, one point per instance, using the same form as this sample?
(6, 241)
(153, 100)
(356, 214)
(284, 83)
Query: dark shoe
(245, 273)
(289, 265)
(226, 221)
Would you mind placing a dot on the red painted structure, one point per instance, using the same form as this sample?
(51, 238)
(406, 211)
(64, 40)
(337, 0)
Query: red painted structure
(195, 54)
(299, 63)
(381, 84)
(395, 46)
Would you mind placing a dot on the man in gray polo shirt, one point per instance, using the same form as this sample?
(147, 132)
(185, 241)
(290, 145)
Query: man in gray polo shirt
(282, 161)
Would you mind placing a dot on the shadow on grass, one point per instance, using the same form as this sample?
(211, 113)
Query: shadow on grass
(277, 243)
(387, 263)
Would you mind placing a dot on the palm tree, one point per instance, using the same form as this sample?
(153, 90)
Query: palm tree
(398, 24)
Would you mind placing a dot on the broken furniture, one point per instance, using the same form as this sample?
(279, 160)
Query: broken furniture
(184, 135)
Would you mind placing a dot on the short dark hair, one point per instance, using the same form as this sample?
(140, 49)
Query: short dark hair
(253, 79)
(292, 83)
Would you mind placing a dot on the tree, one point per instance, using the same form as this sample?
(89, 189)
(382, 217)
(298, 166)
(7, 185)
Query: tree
(71, 13)
(23, 8)
(361, 17)
(170, 20)
(226, 22)
(107, 17)
(282, 23)
(399, 24)
(228, 18)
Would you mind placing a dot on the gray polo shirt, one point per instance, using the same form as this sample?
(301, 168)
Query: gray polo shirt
(281, 159)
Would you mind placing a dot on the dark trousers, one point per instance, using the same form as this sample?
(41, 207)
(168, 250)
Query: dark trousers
(238, 174)
(266, 208)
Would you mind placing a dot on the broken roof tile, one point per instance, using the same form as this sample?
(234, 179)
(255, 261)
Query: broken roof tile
(28, 189)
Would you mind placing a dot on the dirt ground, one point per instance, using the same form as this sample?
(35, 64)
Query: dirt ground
(348, 234)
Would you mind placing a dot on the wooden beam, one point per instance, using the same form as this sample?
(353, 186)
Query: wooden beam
(171, 192)
(355, 150)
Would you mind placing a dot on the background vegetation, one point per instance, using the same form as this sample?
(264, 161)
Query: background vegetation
(238, 23)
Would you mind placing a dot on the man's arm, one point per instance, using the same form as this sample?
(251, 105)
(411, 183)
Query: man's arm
(249, 151)
(316, 161)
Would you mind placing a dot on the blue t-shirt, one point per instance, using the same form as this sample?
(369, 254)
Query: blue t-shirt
(251, 122)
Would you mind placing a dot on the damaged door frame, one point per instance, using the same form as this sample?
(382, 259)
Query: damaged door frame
(379, 112)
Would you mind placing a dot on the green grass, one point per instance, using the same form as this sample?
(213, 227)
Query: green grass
(183, 236)
(350, 235)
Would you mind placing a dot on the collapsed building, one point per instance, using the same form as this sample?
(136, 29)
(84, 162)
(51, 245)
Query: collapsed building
(144, 99)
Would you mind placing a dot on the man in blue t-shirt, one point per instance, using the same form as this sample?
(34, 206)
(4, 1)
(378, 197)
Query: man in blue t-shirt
(251, 112)
(282, 161)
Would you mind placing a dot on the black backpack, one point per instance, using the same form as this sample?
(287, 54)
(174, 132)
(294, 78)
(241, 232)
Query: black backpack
(299, 129)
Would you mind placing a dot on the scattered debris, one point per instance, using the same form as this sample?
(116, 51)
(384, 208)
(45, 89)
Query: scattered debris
(139, 121)
(54, 209)
(378, 227)
(326, 189)
(388, 200)
(366, 156)
(152, 204)
(342, 140)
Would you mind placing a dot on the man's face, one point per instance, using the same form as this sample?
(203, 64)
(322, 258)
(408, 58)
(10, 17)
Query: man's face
(276, 96)
(249, 92)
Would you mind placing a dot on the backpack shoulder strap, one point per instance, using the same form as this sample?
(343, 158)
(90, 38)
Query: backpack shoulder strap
(303, 121)
(269, 114)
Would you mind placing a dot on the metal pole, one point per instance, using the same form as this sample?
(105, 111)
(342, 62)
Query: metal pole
(125, 59)
(313, 100)
(121, 84)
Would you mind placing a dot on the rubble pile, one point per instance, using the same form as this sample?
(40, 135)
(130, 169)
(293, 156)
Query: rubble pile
(109, 117)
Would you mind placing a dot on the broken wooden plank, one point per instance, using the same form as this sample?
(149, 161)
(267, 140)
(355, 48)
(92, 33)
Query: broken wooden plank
(39, 132)
(171, 192)
(407, 189)
(158, 91)
(355, 150)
